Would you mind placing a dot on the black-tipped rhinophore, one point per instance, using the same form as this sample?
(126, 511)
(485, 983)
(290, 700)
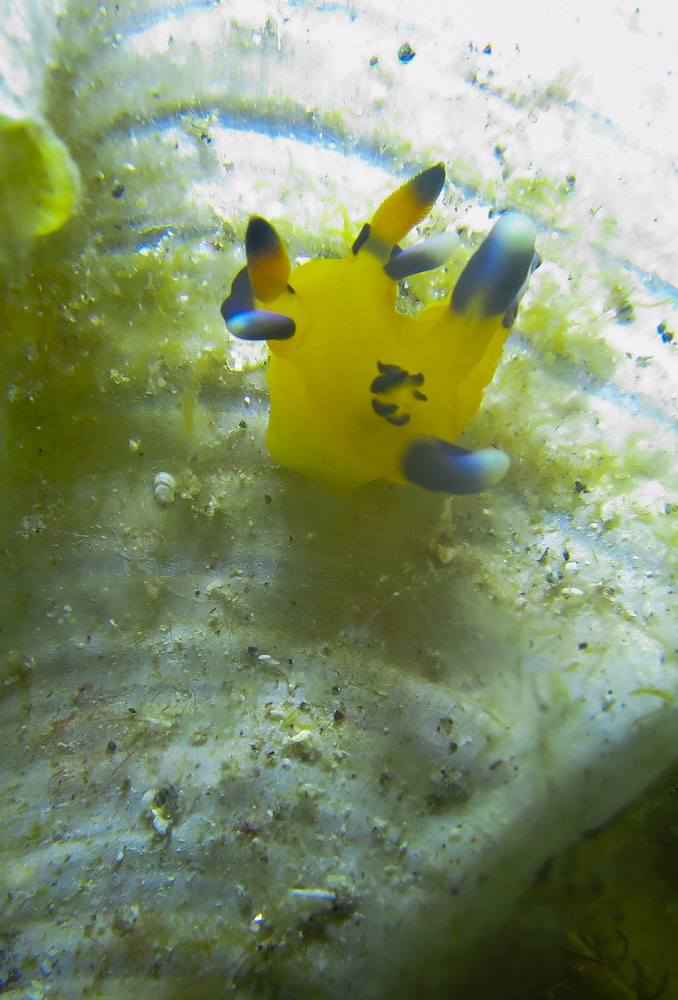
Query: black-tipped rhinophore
(402, 210)
(493, 279)
(268, 265)
(427, 185)
(438, 465)
(261, 240)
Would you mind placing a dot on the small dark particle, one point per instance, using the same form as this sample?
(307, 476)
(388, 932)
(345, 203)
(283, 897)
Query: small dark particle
(666, 334)
(544, 874)
(242, 424)
(496, 764)
(453, 747)
(267, 499)
(580, 487)
(420, 396)
(374, 61)
(566, 555)
(252, 650)
(583, 645)
(338, 715)
(625, 313)
(487, 50)
(11, 974)
(165, 796)
(570, 181)
(118, 190)
(406, 53)
(111, 746)
(133, 711)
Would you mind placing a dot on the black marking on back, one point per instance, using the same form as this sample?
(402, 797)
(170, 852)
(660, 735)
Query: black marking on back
(384, 409)
(393, 377)
(389, 379)
(402, 418)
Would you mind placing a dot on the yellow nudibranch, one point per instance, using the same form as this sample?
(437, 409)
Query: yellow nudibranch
(360, 391)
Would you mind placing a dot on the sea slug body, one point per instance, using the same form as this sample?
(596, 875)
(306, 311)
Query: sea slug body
(360, 391)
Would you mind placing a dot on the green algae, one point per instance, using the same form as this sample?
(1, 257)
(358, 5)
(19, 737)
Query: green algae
(39, 183)
(599, 922)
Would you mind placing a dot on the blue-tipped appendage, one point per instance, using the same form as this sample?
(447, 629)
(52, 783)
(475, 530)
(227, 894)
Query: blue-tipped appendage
(496, 275)
(438, 465)
(424, 256)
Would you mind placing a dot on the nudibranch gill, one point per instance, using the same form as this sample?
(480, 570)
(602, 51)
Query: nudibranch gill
(360, 391)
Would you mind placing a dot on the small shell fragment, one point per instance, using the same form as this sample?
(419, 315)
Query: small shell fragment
(161, 825)
(317, 896)
(163, 808)
(445, 554)
(164, 485)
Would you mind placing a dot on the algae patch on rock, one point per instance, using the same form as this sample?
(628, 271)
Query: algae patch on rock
(39, 182)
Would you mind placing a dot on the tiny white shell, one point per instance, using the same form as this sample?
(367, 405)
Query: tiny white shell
(161, 824)
(164, 485)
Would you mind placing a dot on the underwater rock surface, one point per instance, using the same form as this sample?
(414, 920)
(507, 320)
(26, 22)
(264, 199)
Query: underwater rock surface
(256, 737)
